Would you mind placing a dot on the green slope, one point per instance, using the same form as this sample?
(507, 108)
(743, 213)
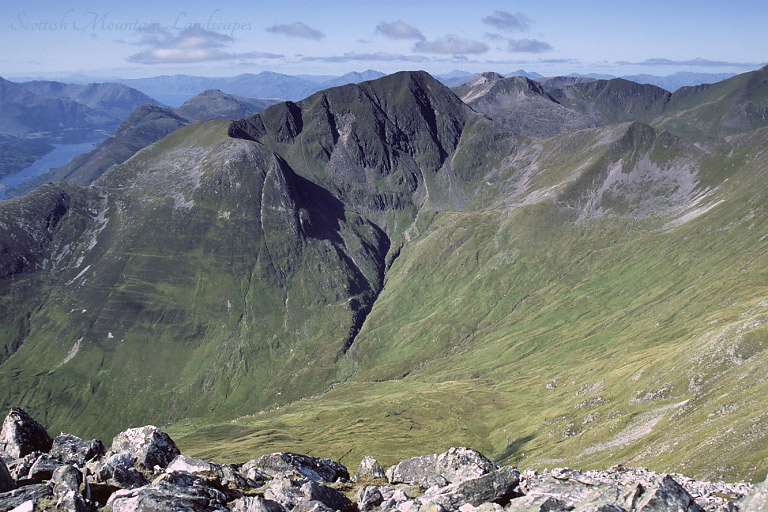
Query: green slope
(380, 270)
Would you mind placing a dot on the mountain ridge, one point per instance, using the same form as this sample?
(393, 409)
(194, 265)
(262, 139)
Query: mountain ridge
(381, 259)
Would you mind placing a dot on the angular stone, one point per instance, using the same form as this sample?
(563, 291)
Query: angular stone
(537, 503)
(413, 470)
(256, 504)
(369, 469)
(170, 492)
(34, 493)
(332, 498)
(232, 478)
(312, 506)
(148, 445)
(664, 494)
(21, 435)
(292, 465)
(368, 498)
(43, 468)
(117, 471)
(192, 465)
(458, 464)
(6, 480)
(284, 491)
(71, 449)
(66, 478)
(499, 486)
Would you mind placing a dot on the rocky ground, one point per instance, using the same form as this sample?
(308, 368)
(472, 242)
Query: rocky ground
(145, 471)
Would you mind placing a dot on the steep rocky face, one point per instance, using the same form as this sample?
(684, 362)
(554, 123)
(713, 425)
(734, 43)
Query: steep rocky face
(375, 145)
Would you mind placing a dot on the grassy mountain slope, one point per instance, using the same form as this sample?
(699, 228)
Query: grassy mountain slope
(379, 269)
(553, 333)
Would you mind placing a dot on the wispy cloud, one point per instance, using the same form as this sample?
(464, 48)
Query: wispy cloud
(528, 46)
(372, 57)
(399, 30)
(698, 61)
(451, 44)
(190, 45)
(507, 21)
(297, 29)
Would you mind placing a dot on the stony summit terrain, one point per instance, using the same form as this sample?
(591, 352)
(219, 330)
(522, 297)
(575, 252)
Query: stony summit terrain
(145, 471)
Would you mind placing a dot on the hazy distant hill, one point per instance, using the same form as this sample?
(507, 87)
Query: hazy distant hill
(146, 124)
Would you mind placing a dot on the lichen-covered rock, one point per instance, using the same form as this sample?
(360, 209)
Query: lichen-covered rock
(369, 497)
(117, 471)
(148, 446)
(34, 493)
(413, 470)
(256, 504)
(192, 465)
(369, 469)
(43, 468)
(21, 435)
(170, 492)
(312, 506)
(458, 464)
(314, 491)
(455, 465)
(665, 494)
(71, 449)
(292, 465)
(757, 500)
(284, 491)
(499, 486)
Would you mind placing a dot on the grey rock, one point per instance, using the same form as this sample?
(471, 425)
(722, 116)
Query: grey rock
(6, 480)
(117, 471)
(369, 497)
(458, 464)
(537, 503)
(369, 468)
(499, 486)
(433, 481)
(284, 491)
(66, 478)
(192, 465)
(455, 465)
(43, 468)
(148, 445)
(19, 468)
(312, 506)
(232, 478)
(71, 449)
(665, 494)
(757, 500)
(292, 465)
(335, 500)
(21, 435)
(170, 492)
(256, 504)
(413, 470)
(34, 493)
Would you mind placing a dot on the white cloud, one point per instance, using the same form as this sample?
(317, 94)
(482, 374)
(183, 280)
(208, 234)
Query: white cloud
(188, 46)
(451, 44)
(399, 30)
(372, 57)
(528, 46)
(297, 29)
(507, 21)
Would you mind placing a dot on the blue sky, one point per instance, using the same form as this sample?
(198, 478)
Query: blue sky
(148, 38)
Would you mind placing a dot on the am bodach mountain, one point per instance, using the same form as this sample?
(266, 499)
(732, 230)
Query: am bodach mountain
(554, 273)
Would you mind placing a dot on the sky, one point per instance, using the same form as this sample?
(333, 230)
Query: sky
(141, 38)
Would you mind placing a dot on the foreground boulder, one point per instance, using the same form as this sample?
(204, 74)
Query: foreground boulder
(71, 449)
(498, 486)
(455, 465)
(21, 435)
(292, 465)
(170, 492)
(149, 446)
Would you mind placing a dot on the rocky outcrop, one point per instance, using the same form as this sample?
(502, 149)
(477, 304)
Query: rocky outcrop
(22, 435)
(144, 471)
